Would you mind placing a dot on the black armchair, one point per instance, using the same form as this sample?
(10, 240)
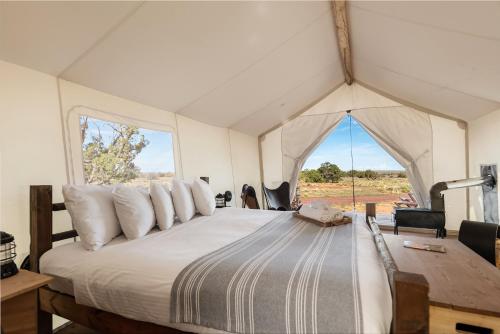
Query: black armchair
(279, 198)
(480, 237)
(249, 197)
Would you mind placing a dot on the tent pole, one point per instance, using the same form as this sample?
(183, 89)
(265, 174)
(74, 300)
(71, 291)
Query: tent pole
(261, 167)
(467, 170)
(352, 162)
(342, 30)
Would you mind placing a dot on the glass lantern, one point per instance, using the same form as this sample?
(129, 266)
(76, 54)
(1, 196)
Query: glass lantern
(7, 255)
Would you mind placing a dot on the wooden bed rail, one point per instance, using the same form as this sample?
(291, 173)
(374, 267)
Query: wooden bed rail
(410, 292)
(63, 305)
(40, 223)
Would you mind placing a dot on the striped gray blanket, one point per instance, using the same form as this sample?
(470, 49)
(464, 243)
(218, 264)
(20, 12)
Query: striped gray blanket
(290, 276)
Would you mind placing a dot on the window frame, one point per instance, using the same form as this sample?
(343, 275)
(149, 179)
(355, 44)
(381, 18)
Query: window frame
(75, 149)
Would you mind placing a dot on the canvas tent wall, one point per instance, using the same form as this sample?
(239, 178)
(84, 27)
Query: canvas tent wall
(277, 59)
(36, 133)
(414, 138)
(484, 147)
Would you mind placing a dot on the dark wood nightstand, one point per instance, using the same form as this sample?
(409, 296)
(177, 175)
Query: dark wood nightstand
(19, 296)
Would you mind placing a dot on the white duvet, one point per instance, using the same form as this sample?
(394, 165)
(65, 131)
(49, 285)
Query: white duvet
(134, 278)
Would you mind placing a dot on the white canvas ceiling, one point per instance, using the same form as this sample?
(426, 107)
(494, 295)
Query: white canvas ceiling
(444, 56)
(251, 65)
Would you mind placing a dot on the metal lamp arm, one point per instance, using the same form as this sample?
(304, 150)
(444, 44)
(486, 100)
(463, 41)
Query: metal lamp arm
(437, 201)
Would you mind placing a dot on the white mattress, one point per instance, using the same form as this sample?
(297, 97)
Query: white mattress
(134, 278)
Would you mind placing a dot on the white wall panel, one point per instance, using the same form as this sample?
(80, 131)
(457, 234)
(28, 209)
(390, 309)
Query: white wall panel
(205, 151)
(245, 162)
(449, 164)
(272, 158)
(31, 147)
(484, 148)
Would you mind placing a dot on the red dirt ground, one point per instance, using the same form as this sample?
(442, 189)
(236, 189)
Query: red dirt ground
(384, 201)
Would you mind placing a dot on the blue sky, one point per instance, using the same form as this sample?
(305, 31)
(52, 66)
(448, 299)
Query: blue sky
(158, 156)
(336, 149)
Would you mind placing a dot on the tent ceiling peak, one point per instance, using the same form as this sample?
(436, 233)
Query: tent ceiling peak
(339, 8)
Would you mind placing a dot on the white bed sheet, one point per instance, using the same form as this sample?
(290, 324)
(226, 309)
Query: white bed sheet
(134, 278)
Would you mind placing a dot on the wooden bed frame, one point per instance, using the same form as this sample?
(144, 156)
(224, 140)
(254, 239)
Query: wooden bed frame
(410, 304)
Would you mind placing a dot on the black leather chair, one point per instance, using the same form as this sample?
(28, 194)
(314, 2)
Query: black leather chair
(249, 197)
(279, 198)
(480, 237)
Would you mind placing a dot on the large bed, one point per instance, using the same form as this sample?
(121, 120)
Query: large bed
(142, 279)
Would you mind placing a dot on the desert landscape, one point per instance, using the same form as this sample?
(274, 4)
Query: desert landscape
(383, 190)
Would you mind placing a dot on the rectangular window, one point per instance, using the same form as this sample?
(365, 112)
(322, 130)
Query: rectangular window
(120, 153)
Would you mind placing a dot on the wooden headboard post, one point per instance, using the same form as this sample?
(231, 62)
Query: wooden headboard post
(41, 239)
(40, 223)
(410, 312)
(41, 209)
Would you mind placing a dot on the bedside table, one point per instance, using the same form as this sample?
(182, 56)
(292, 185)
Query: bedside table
(19, 296)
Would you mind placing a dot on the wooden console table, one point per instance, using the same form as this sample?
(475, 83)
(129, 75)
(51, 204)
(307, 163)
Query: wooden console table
(464, 288)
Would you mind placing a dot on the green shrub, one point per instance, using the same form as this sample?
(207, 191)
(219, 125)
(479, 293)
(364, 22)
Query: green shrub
(369, 174)
(330, 172)
(311, 175)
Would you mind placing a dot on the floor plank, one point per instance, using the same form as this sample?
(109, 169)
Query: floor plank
(73, 328)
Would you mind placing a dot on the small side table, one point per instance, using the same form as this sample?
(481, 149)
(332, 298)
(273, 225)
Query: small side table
(19, 296)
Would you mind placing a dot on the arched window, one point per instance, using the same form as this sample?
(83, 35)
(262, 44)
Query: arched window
(378, 177)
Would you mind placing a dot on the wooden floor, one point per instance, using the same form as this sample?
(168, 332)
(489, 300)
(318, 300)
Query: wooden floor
(73, 328)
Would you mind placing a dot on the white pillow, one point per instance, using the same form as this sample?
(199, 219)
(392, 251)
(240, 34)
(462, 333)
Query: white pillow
(163, 205)
(183, 200)
(135, 211)
(204, 198)
(93, 213)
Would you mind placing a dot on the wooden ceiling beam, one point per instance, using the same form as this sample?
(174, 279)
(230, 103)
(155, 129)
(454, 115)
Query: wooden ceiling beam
(342, 29)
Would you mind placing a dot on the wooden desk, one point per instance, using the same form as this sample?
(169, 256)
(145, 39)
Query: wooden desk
(19, 296)
(463, 287)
